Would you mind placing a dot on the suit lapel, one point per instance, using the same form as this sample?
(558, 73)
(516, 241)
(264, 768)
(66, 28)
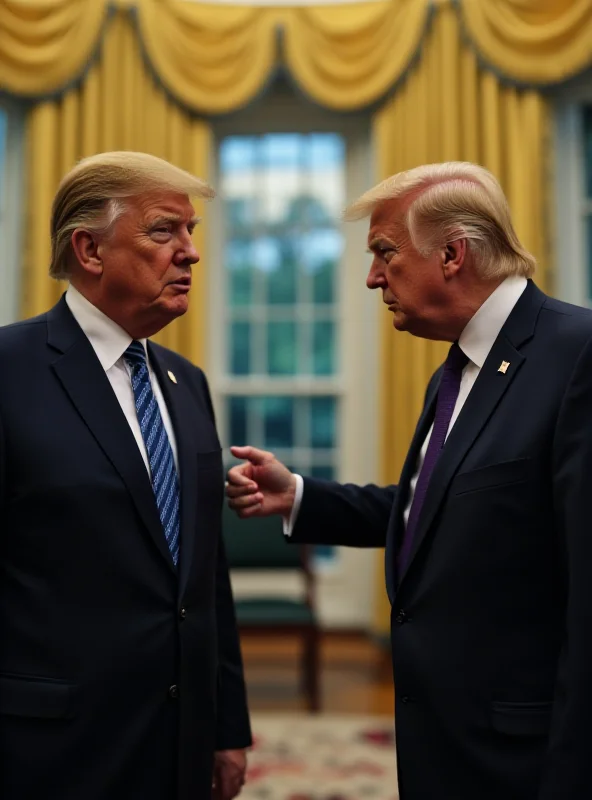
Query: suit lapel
(492, 383)
(183, 414)
(85, 382)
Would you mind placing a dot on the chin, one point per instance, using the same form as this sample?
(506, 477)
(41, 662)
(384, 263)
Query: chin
(400, 321)
(178, 306)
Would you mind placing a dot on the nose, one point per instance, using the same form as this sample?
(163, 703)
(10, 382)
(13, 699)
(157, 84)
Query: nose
(376, 278)
(187, 253)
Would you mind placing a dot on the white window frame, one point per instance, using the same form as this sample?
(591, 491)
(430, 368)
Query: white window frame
(345, 588)
(11, 212)
(571, 282)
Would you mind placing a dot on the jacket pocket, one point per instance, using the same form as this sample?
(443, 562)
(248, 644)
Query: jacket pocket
(210, 460)
(492, 476)
(41, 698)
(522, 718)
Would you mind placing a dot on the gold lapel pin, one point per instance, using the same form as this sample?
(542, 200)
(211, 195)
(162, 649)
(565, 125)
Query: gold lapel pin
(503, 367)
(174, 380)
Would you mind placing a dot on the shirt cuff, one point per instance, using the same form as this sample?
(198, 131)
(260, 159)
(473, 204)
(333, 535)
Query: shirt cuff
(290, 521)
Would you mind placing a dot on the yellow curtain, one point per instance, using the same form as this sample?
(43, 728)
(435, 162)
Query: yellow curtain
(45, 44)
(350, 56)
(117, 107)
(450, 109)
(532, 41)
(214, 58)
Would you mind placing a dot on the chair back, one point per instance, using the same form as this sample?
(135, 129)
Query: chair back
(258, 544)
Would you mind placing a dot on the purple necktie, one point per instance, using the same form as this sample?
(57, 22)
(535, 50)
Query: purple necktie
(447, 397)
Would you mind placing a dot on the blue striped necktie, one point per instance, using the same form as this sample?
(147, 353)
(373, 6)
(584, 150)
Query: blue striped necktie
(160, 453)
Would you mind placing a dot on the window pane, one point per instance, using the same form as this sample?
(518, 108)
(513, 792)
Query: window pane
(323, 282)
(588, 149)
(589, 252)
(237, 153)
(240, 216)
(278, 415)
(281, 280)
(323, 347)
(240, 347)
(322, 422)
(321, 250)
(238, 264)
(281, 348)
(237, 419)
(326, 472)
(281, 150)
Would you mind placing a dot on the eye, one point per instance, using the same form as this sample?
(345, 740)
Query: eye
(161, 231)
(387, 252)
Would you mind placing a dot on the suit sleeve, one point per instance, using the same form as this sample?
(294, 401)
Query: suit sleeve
(567, 771)
(233, 730)
(343, 514)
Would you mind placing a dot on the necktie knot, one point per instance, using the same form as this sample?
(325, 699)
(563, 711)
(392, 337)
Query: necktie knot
(135, 355)
(456, 360)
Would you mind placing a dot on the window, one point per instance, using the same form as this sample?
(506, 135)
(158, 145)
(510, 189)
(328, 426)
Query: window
(11, 193)
(293, 344)
(574, 191)
(283, 195)
(587, 198)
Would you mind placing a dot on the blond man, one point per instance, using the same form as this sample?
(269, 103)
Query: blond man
(487, 533)
(120, 668)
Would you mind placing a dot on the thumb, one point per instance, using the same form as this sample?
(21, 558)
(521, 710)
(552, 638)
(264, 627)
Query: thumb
(252, 454)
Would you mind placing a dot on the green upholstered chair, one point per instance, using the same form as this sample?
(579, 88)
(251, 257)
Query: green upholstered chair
(259, 545)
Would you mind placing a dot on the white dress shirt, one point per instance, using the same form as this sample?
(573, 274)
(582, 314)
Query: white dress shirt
(475, 341)
(110, 342)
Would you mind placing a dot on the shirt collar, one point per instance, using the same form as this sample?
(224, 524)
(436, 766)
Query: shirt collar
(108, 339)
(482, 329)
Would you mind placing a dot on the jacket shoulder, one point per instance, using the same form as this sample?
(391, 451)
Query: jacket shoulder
(23, 334)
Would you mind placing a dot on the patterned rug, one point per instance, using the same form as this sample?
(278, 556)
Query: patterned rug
(325, 757)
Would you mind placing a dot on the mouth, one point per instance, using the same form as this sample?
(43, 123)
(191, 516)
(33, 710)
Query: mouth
(182, 284)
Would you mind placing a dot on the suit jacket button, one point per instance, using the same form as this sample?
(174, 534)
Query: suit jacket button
(182, 613)
(405, 698)
(401, 617)
(174, 692)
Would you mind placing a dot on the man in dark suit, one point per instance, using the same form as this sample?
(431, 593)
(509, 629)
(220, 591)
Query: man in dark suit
(487, 534)
(120, 667)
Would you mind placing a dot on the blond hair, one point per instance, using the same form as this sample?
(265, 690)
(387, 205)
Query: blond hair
(455, 200)
(92, 195)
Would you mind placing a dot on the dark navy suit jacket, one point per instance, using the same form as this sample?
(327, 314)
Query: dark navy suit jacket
(119, 675)
(492, 617)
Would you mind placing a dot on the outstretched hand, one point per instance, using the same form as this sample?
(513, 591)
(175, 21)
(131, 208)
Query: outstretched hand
(261, 486)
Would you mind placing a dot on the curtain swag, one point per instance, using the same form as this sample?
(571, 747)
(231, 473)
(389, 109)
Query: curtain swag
(214, 58)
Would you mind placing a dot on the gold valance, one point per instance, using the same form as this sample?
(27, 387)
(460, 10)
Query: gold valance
(533, 42)
(213, 58)
(45, 45)
(347, 57)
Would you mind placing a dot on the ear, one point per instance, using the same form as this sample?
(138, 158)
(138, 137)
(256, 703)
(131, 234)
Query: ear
(85, 246)
(453, 257)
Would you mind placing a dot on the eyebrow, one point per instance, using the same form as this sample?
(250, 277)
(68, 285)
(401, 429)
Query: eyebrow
(172, 218)
(381, 240)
